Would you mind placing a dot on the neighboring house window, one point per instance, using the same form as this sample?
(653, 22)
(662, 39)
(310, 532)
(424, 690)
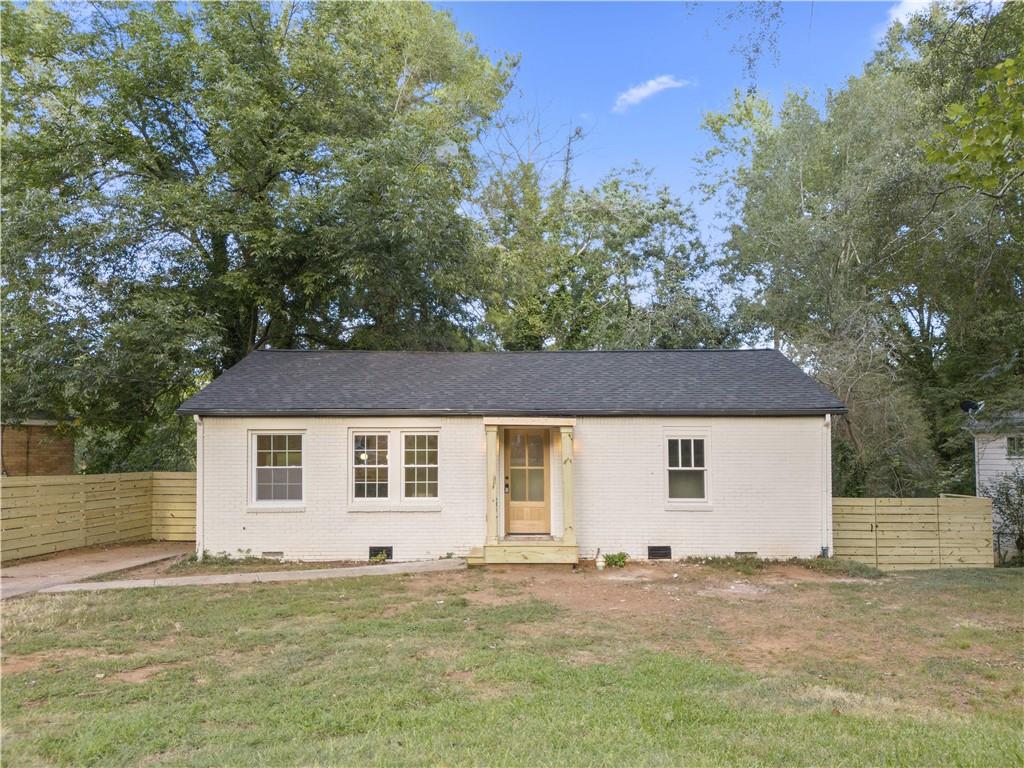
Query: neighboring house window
(420, 465)
(371, 466)
(686, 468)
(278, 468)
(1015, 447)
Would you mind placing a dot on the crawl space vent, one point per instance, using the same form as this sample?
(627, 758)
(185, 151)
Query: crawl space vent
(273, 555)
(388, 552)
(659, 553)
(745, 554)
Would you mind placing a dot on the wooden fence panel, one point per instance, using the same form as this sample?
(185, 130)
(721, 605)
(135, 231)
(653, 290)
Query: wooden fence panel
(174, 506)
(907, 534)
(46, 514)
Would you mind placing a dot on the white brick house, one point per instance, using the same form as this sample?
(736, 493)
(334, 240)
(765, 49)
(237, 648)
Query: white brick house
(514, 457)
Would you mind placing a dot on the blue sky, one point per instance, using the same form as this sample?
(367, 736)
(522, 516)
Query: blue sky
(581, 60)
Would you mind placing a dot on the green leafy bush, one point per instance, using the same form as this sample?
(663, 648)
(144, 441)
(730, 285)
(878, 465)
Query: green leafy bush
(616, 560)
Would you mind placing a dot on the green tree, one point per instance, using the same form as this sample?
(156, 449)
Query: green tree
(254, 174)
(602, 268)
(851, 245)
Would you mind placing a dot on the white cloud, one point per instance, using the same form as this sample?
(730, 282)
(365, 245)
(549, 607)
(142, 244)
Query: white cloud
(901, 12)
(644, 91)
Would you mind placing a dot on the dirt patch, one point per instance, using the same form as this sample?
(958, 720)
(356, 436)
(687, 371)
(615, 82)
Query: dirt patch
(141, 674)
(13, 665)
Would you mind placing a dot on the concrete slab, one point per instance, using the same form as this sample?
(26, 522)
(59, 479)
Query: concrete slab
(77, 564)
(419, 566)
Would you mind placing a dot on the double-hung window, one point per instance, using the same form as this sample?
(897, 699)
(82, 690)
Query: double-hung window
(419, 464)
(371, 465)
(687, 470)
(277, 468)
(394, 465)
(1015, 447)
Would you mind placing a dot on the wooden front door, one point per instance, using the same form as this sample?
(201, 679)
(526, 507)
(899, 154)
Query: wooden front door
(527, 492)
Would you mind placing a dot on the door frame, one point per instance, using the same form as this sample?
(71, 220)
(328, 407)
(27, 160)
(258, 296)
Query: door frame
(545, 433)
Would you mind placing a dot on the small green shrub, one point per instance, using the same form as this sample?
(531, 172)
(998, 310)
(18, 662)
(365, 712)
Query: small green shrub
(616, 560)
(379, 559)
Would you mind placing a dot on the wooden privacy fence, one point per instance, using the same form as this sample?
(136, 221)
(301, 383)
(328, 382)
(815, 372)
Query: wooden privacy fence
(902, 534)
(44, 514)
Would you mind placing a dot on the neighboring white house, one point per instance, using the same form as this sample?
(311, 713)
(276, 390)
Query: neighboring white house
(996, 455)
(514, 456)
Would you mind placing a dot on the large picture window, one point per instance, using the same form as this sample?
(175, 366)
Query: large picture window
(420, 466)
(278, 467)
(370, 452)
(687, 471)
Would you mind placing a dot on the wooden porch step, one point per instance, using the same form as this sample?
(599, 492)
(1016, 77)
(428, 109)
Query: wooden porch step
(533, 552)
(476, 556)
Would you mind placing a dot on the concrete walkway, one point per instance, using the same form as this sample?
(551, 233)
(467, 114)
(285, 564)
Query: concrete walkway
(421, 566)
(77, 564)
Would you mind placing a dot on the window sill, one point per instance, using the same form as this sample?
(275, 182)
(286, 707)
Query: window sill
(273, 508)
(688, 506)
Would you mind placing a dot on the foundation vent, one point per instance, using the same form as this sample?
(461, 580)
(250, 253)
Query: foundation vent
(272, 555)
(659, 553)
(389, 552)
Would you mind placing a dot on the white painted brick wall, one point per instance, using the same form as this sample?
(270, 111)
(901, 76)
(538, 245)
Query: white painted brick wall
(766, 478)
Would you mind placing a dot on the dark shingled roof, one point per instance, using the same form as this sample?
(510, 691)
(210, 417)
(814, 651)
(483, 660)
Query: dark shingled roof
(756, 382)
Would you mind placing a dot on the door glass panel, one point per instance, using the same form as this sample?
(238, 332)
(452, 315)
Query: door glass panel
(517, 484)
(517, 449)
(535, 450)
(536, 484)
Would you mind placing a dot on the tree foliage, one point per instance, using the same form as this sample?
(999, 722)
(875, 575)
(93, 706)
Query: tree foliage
(602, 268)
(901, 291)
(186, 183)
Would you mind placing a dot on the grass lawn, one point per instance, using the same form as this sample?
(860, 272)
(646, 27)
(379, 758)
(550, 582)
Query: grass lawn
(664, 664)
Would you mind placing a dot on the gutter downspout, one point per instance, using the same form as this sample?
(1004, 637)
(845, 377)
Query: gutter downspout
(826, 485)
(200, 487)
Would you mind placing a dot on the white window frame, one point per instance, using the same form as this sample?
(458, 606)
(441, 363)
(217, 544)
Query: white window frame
(686, 434)
(290, 504)
(353, 434)
(1012, 455)
(394, 501)
(402, 465)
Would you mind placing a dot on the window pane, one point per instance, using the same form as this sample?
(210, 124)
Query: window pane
(294, 476)
(698, 453)
(685, 484)
(535, 450)
(431, 442)
(432, 456)
(294, 442)
(410, 490)
(263, 491)
(279, 442)
(517, 450)
(517, 484)
(432, 474)
(262, 442)
(294, 492)
(673, 453)
(536, 485)
(263, 458)
(685, 453)
(278, 458)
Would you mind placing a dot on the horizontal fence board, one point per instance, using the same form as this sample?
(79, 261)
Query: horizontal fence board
(907, 534)
(41, 515)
